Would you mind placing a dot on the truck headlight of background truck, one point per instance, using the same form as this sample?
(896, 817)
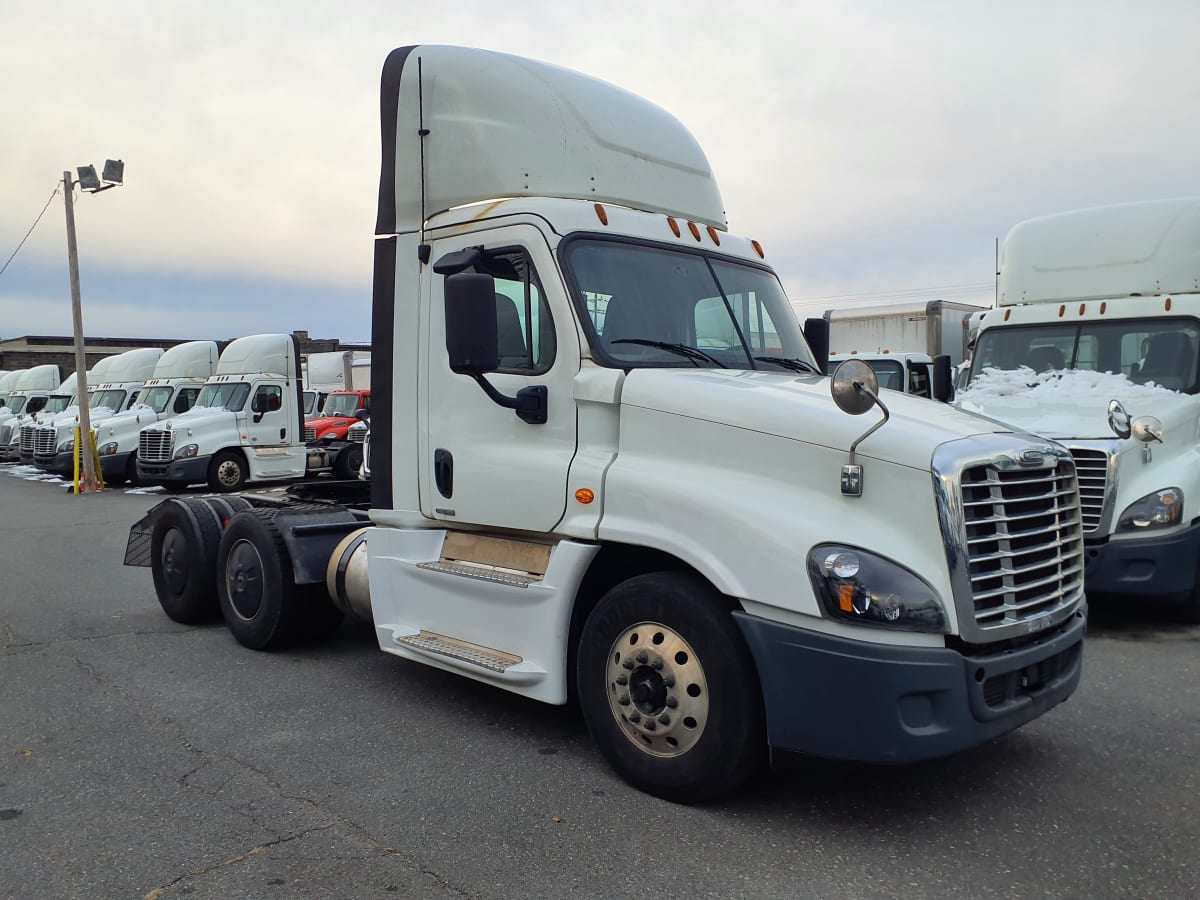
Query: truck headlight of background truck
(187, 451)
(1158, 510)
(860, 587)
(67, 446)
(108, 449)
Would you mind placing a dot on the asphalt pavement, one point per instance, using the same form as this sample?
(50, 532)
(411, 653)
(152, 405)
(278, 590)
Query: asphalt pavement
(144, 759)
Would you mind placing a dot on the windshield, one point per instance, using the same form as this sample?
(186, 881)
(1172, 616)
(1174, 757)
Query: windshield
(16, 404)
(230, 395)
(342, 405)
(114, 400)
(656, 306)
(1162, 351)
(57, 403)
(157, 398)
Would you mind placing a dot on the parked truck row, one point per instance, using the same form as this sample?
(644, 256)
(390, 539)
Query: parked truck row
(605, 464)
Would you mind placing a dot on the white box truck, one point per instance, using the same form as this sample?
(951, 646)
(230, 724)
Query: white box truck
(581, 486)
(932, 327)
(1095, 344)
(172, 389)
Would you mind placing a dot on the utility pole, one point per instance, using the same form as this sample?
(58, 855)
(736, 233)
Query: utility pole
(84, 448)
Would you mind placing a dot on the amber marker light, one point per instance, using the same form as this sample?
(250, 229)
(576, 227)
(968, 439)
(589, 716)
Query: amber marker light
(846, 597)
(758, 249)
(601, 214)
(674, 226)
(1082, 307)
(585, 496)
(1103, 308)
(712, 233)
(1062, 311)
(1167, 305)
(1007, 313)
(694, 229)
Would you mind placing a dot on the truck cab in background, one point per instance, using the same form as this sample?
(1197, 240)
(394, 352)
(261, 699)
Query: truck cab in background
(26, 400)
(7, 380)
(331, 371)
(1095, 344)
(908, 373)
(172, 389)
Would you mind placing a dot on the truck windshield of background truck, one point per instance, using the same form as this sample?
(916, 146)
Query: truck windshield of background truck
(1163, 351)
(230, 395)
(890, 372)
(345, 404)
(736, 315)
(58, 403)
(112, 399)
(16, 404)
(157, 399)
(310, 402)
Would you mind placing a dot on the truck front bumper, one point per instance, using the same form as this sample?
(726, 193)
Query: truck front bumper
(115, 466)
(177, 471)
(10, 453)
(845, 699)
(58, 464)
(1150, 566)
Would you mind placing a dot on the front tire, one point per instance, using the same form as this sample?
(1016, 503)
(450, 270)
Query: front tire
(669, 690)
(227, 471)
(348, 462)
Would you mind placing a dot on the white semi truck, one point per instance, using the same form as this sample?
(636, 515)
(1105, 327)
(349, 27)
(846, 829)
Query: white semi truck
(579, 486)
(246, 425)
(172, 389)
(26, 400)
(1095, 344)
(7, 381)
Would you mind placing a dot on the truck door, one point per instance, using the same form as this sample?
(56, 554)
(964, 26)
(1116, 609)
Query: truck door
(480, 462)
(270, 429)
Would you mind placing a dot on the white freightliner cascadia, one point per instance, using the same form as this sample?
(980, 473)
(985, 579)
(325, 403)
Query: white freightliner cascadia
(26, 400)
(604, 463)
(1095, 343)
(114, 391)
(8, 381)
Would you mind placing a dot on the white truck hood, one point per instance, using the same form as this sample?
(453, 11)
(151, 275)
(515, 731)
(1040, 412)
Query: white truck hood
(1071, 405)
(799, 407)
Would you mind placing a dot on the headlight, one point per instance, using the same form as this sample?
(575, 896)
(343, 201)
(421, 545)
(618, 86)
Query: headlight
(108, 449)
(860, 587)
(67, 445)
(187, 451)
(329, 434)
(1158, 510)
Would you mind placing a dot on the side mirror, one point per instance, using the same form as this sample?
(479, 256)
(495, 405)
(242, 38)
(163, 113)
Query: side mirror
(471, 336)
(816, 333)
(258, 403)
(362, 414)
(943, 379)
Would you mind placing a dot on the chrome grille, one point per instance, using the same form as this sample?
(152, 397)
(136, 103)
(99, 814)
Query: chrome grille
(357, 435)
(1091, 468)
(1024, 541)
(310, 434)
(45, 440)
(27, 434)
(5, 434)
(154, 445)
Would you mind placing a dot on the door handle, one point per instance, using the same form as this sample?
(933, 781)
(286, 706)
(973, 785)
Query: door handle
(443, 472)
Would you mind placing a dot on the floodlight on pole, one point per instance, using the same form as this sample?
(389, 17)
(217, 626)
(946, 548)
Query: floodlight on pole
(114, 172)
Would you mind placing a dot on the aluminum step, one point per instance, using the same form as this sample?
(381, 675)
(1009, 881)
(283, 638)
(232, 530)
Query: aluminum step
(482, 572)
(440, 645)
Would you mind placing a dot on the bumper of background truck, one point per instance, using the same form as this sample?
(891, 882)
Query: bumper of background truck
(115, 466)
(846, 699)
(58, 464)
(1149, 566)
(10, 453)
(177, 471)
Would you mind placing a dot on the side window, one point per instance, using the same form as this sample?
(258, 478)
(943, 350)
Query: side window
(366, 403)
(35, 405)
(268, 398)
(133, 395)
(185, 399)
(918, 380)
(524, 326)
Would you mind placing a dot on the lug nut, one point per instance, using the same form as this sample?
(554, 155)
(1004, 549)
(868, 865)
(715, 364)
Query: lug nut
(657, 664)
(635, 717)
(622, 680)
(628, 664)
(669, 681)
(672, 702)
(664, 719)
(649, 724)
(642, 657)
(623, 699)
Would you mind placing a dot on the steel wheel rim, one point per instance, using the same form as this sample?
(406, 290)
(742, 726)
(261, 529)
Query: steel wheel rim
(244, 579)
(657, 690)
(229, 473)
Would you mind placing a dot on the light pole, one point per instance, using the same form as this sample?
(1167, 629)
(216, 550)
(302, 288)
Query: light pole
(114, 172)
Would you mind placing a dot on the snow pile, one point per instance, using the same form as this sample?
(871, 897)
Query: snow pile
(31, 473)
(1057, 386)
(156, 489)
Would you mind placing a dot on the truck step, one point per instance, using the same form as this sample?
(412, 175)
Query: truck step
(483, 573)
(440, 645)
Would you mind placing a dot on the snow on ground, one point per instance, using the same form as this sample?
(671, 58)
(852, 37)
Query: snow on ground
(155, 489)
(1059, 386)
(32, 473)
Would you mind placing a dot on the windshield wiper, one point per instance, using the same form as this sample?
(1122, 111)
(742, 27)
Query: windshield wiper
(795, 365)
(693, 353)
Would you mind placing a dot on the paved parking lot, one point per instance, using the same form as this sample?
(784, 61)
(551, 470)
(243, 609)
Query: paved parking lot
(140, 758)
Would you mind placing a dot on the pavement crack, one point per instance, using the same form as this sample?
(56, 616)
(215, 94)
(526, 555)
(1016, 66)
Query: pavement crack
(233, 861)
(11, 649)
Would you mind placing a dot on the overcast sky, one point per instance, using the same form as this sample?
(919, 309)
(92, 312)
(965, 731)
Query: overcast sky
(874, 148)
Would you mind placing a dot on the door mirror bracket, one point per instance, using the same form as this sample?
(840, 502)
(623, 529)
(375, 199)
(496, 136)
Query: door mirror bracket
(530, 404)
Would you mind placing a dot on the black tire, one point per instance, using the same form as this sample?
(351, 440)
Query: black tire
(262, 605)
(131, 475)
(703, 684)
(183, 547)
(228, 507)
(348, 462)
(227, 472)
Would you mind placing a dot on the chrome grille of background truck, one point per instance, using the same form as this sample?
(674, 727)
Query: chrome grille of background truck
(1013, 533)
(27, 438)
(1096, 472)
(5, 434)
(310, 434)
(154, 446)
(45, 441)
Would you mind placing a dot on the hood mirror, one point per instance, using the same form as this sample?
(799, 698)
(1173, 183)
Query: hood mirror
(855, 389)
(1118, 419)
(1147, 430)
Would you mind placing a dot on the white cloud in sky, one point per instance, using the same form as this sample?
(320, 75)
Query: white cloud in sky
(869, 146)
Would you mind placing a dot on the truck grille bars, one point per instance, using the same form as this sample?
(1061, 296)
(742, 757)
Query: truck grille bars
(1013, 535)
(1091, 466)
(45, 440)
(154, 445)
(310, 434)
(27, 439)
